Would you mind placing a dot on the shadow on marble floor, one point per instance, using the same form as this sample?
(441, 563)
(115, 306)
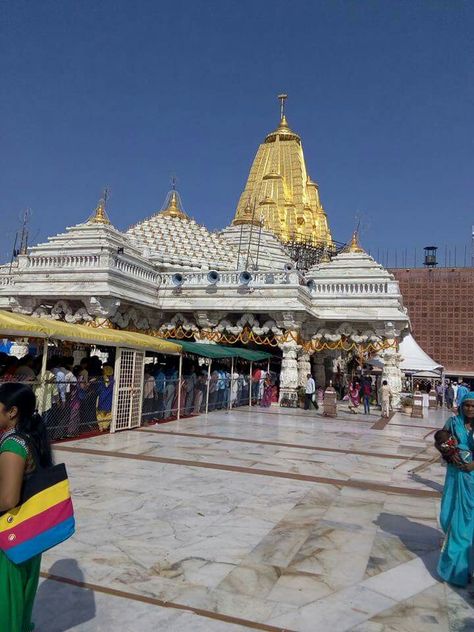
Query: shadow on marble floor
(424, 541)
(60, 607)
(426, 481)
(418, 538)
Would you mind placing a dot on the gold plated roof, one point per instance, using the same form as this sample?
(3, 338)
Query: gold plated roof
(280, 187)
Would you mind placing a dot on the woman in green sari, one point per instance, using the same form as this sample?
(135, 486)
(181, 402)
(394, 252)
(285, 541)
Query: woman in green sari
(22, 428)
(455, 565)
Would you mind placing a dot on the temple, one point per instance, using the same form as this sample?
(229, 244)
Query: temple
(170, 276)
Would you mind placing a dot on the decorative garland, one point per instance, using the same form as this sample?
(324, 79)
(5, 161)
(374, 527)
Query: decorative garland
(247, 335)
(347, 345)
(100, 323)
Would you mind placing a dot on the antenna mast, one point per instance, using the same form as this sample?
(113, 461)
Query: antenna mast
(24, 232)
(22, 236)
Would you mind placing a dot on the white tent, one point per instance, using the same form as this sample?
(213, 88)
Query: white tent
(414, 359)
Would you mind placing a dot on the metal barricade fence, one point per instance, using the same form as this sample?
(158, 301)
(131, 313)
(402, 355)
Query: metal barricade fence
(73, 408)
(161, 402)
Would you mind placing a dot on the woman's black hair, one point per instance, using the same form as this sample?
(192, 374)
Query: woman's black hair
(30, 423)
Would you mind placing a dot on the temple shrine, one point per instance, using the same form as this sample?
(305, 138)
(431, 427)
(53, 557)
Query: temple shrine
(274, 279)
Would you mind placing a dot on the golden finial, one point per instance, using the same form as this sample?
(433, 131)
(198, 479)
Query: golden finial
(283, 128)
(100, 214)
(247, 216)
(174, 208)
(325, 258)
(354, 245)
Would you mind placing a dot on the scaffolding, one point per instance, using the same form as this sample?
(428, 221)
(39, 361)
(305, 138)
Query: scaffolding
(309, 251)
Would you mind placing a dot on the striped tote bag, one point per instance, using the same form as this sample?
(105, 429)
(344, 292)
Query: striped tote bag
(44, 517)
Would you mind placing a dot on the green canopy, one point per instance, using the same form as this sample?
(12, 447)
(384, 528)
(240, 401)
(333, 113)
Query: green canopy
(215, 351)
(206, 350)
(250, 354)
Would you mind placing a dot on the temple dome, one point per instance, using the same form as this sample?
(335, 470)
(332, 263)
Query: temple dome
(173, 206)
(175, 240)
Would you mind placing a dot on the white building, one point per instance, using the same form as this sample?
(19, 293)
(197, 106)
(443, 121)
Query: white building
(172, 277)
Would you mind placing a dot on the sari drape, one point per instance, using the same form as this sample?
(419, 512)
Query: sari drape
(455, 564)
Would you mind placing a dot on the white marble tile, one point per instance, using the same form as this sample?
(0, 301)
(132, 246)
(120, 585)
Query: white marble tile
(63, 608)
(406, 580)
(339, 611)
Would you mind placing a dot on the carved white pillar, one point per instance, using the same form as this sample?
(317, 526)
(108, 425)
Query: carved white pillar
(392, 373)
(289, 372)
(304, 366)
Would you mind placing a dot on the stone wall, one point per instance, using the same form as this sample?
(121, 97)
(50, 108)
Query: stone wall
(440, 304)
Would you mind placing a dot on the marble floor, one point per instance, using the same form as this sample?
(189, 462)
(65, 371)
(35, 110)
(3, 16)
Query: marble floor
(254, 520)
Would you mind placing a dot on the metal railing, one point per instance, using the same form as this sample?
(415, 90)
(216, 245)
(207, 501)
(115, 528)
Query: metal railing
(71, 409)
(200, 395)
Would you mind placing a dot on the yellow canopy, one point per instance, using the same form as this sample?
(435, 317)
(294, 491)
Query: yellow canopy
(12, 324)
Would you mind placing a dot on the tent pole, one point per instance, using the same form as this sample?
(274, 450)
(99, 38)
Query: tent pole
(231, 378)
(208, 383)
(250, 385)
(180, 372)
(443, 387)
(44, 363)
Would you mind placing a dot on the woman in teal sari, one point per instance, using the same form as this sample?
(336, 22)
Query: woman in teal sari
(455, 564)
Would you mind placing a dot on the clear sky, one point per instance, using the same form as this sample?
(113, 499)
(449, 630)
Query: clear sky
(127, 93)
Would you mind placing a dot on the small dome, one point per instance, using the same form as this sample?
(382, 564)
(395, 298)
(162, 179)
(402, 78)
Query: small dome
(173, 207)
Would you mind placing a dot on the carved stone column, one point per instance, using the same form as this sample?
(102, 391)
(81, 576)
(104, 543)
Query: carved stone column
(392, 373)
(289, 372)
(304, 366)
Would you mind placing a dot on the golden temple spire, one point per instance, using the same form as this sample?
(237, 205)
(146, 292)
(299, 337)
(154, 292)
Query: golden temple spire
(286, 197)
(354, 245)
(100, 215)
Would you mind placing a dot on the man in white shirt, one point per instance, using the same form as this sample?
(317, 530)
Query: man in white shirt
(385, 397)
(455, 389)
(310, 393)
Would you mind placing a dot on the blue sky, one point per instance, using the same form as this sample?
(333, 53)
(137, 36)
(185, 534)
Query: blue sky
(125, 94)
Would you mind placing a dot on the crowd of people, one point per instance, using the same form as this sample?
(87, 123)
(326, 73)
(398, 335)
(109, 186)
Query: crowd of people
(161, 396)
(77, 398)
(72, 398)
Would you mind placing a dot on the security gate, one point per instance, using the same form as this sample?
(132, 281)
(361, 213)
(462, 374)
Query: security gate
(128, 390)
